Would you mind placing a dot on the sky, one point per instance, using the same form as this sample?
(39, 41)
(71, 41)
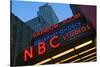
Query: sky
(27, 10)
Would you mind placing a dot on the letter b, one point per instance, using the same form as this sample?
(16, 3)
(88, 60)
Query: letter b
(41, 48)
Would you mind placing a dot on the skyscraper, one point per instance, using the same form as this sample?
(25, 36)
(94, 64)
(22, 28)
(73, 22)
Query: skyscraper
(45, 17)
(47, 13)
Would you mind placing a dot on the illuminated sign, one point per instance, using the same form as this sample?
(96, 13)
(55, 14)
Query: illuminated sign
(53, 37)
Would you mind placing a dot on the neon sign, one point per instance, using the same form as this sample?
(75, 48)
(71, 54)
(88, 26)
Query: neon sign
(42, 45)
(54, 38)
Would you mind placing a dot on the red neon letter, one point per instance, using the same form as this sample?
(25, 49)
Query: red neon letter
(51, 42)
(28, 53)
(41, 48)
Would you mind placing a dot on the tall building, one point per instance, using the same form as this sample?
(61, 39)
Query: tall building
(20, 37)
(45, 17)
(47, 13)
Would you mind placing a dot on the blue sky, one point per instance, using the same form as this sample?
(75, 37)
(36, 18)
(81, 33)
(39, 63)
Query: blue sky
(27, 10)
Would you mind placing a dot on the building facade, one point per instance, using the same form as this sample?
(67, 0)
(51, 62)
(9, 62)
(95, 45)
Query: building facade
(45, 17)
(20, 37)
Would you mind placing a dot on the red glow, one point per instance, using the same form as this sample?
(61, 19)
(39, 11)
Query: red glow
(41, 48)
(28, 54)
(51, 42)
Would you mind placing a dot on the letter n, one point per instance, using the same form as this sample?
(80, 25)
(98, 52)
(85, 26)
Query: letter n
(28, 54)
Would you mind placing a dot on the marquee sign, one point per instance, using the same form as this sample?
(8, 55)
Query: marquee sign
(54, 36)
